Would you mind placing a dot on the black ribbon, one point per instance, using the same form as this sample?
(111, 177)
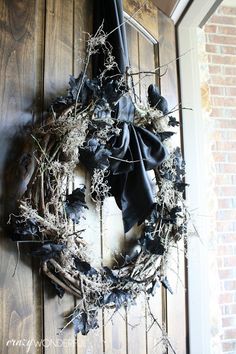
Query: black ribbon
(136, 150)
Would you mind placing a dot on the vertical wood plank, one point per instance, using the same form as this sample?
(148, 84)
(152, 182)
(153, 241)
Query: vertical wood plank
(146, 63)
(83, 25)
(58, 67)
(132, 39)
(21, 41)
(113, 243)
(157, 302)
(176, 305)
(144, 12)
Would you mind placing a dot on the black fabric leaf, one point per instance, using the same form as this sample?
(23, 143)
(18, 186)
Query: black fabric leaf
(83, 322)
(179, 164)
(23, 229)
(59, 290)
(150, 240)
(94, 155)
(116, 297)
(84, 267)
(166, 284)
(152, 289)
(180, 186)
(165, 135)
(173, 122)
(102, 110)
(75, 204)
(79, 87)
(49, 250)
(110, 275)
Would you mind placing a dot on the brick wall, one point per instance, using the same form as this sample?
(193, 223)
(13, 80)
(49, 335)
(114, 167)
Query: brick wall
(220, 34)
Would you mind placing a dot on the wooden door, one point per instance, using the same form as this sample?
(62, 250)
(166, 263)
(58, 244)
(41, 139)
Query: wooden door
(42, 43)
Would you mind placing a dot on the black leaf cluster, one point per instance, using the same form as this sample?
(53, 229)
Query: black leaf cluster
(104, 94)
(153, 287)
(176, 173)
(94, 155)
(165, 135)
(166, 284)
(117, 297)
(83, 322)
(49, 250)
(150, 239)
(24, 229)
(109, 275)
(75, 204)
(59, 290)
(173, 122)
(84, 267)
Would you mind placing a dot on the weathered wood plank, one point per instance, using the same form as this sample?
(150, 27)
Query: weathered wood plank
(58, 67)
(21, 41)
(176, 306)
(113, 243)
(83, 25)
(144, 12)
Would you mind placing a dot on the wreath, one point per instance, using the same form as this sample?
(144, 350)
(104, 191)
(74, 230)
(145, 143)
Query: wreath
(126, 149)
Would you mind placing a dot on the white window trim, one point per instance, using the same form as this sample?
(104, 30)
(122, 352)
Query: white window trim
(193, 137)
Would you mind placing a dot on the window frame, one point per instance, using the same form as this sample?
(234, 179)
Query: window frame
(196, 169)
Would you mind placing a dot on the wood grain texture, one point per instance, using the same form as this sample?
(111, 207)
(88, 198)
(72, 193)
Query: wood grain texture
(58, 67)
(41, 47)
(113, 245)
(21, 42)
(144, 12)
(166, 6)
(176, 306)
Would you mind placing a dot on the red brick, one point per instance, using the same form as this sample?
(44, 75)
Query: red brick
(223, 134)
(232, 157)
(228, 30)
(225, 226)
(225, 180)
(227, 50)
(219, 156)
(224, 203)
(230, 333)
(212, 48)
(222, 59)
(226, 298)
(221, 39)
(229, 347)
(220, 262)
(230, 70)
(223, 215)
(224, 146)
(227, 237)
(218, 91)
(228, 273)
(224, 102)
(226, 10)
(222, 80)
(225, 250)
(225, 20)
(230, 261)
(229, 309)
(229, 321)
(224, 123)
(230, 91)
(226, 191)
(226, 168)
(210, 28)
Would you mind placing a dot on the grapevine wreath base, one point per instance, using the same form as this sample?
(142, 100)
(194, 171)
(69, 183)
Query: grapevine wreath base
(88, 127)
